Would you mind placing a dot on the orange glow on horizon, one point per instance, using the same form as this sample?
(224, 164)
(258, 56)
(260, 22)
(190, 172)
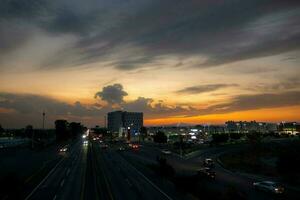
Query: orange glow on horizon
(266, 115)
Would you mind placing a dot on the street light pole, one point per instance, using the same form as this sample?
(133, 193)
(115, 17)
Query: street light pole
(44, 119)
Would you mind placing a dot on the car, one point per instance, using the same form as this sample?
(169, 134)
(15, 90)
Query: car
(206, 173)
(121, 149)
(64, 149)
(135, 146)
(166, 151)
(103, 146)
(85, 143)
(208, 162)
(269, 186)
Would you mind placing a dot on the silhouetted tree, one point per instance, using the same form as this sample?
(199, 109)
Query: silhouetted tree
(143, 132)
(160, 137)
(220, 138)
(254, 136)
(61, 129)
(1, 130)
(76, 129)
(100, 131)
(29, 131)
(235, 136)
(288, 164)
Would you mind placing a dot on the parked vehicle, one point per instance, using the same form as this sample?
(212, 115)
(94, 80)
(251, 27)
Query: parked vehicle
(166, 151)
(269, 186)
(121, 149)
(208, 162)
(206, 173)
(103, 146)
(135, 146)
(64, 149)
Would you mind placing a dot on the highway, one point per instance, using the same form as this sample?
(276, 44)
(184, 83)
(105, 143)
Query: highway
(90, 172)
(224, 178)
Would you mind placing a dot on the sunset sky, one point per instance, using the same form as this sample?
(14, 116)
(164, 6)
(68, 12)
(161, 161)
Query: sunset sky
(178, 61)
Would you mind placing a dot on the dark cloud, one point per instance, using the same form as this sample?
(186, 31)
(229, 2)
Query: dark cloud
(28, 104)
(282, 85)
(143, 31)
(113, 94)
(157, 109)
(27, 108)
(257, 101)
(203, 88)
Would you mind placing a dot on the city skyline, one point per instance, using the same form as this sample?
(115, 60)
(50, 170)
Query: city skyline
(189, 62)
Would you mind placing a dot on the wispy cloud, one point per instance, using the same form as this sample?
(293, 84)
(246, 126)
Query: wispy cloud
(204, 88)
(220, 31)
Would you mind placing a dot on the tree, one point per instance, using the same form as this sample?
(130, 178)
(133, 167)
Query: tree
(29, 131)
(254, 137)
(220, 138)
(144, 132)
(76, 129)
(288, 164)
(1, 129)
(61, 129)
(100, 130)
(160, 137)
(235, 136)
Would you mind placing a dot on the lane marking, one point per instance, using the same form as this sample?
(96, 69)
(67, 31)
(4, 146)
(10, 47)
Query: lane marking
(99, 160)
(51, 172)
(83, 175)
(54, 197)
(44, 179)
(62, 183)
(68, 171)
(150, 182)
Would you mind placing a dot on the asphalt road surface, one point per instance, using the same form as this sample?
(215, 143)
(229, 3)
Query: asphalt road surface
(90, 172)
(93, 172)
(224, 177)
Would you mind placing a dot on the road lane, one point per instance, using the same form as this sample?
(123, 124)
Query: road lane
(55, 180)
(125, 181)
(224, 177)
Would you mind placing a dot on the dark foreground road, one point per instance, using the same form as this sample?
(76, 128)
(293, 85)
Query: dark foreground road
(89, 172)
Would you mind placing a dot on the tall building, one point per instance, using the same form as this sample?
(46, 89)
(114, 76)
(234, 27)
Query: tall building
(118, 121)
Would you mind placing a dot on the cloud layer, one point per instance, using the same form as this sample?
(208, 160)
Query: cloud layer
(128, 34)
(112, 94)
(23, 105)
(204, 88)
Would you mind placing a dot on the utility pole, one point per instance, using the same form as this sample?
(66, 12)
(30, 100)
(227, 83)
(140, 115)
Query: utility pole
(44, 114)
(44, 119)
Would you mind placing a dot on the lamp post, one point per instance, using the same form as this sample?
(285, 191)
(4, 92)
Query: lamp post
(44, 119)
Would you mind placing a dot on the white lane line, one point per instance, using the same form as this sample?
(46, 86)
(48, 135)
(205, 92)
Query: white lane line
(54, 197)
(46, 177)
(53, 169)
(150, 182)
(68, 171)
(62, 183)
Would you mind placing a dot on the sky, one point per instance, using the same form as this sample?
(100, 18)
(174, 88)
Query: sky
(178, 61)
